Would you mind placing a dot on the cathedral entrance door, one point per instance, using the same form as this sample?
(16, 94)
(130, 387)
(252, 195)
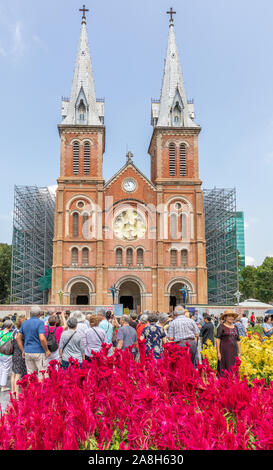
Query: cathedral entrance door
(127, 301)
(82, 300)
(79, 294)
(129, 295)
(176, 296)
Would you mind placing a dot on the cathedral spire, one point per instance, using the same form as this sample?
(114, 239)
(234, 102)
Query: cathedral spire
(173, 109)
(82, 107)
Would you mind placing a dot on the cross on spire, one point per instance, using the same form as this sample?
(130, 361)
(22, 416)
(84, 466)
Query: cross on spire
(84, 10)
(171, 13)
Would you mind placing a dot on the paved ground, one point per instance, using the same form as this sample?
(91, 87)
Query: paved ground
(5, 397)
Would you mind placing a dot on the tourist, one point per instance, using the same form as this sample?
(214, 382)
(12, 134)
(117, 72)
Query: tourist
(133, 320)
(71, 343)
(183, 330)
(18, 369)
(228, 344)
(34, 349)
(5, 360)
(126, 335)
(154, 336)
(49, 314)
(163, 321)
(88, 315)
(240, 326)
(54, 326)
(252, 320)
(143, 322)
(187, 314)
(267, 327)
(207, 331)
(82, 326)
(245, 322)
(94, 337)
(107, 326)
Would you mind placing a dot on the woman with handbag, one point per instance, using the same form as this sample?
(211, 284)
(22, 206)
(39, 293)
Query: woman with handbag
(71, 344)
(94, 337)
(6, 351)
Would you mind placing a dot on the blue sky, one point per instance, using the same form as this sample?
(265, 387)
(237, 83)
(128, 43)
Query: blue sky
(227, 62)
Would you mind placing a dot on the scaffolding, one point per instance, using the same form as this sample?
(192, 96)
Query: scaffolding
(221, 245)
(32, 244)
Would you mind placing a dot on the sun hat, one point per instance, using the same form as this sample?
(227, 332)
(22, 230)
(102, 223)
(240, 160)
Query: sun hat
(229, 312)
(78, 315)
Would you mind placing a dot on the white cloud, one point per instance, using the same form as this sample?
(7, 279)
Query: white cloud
(18, 45)
(250, 261)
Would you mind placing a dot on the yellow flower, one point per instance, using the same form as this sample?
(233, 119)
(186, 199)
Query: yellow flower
(256, 357)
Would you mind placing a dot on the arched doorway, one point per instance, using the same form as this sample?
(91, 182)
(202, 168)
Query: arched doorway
(176, 296)
(79, 294)
(130, 296)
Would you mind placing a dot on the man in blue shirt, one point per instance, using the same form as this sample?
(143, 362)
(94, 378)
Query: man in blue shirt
(32, 343)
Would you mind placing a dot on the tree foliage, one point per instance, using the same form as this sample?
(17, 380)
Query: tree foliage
(5, 271)
(257, 282)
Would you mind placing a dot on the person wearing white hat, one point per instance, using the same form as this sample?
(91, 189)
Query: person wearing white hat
(228, 344)
(82, 326)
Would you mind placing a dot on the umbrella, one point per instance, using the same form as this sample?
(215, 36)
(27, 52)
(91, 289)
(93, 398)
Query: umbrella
(269, 312)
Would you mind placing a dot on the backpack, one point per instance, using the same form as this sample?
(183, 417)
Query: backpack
(51, 340)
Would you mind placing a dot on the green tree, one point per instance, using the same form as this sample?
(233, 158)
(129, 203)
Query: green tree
(247, 282)
(264, 280)
(5, 271)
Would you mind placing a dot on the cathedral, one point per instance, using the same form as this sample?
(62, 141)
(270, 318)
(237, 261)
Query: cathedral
(141, 237)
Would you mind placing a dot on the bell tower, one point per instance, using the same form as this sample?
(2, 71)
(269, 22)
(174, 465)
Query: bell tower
(80, 186)
(181, 250)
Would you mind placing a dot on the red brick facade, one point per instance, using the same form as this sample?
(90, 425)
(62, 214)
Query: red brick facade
(161, 259)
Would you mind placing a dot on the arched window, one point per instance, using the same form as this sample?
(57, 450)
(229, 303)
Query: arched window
(129, 256)
(140, 256)
(75, 224)
(85, 256)
(172, 159)
(119, 256)
(183, 161)
(173, 226)
(173, 256)
(85, 225)
(86, 158)
(76, 158)
(183, 221)
(184, 258)
(75, 255)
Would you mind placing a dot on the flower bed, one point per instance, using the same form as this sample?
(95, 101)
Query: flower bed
(256, 357)
(116, 403)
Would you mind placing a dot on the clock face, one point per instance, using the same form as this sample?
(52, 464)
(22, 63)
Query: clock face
(129, 185)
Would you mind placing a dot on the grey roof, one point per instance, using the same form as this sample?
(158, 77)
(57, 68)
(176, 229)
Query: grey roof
(83, 84)
(172, 90)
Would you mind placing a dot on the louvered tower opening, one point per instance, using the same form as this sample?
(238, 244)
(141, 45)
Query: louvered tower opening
(183, 163)
(172, 159)
(86, 158)
(76, 158)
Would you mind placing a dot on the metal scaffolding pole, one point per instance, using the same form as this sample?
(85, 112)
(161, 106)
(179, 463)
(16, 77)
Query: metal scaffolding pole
(33, 230)
(221, 245)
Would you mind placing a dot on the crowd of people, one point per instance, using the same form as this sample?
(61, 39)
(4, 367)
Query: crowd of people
(41, 338)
